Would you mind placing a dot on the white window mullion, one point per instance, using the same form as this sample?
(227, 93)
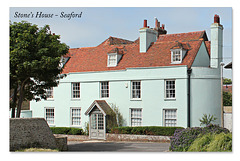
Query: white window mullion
(76, 90)
(170, 89)
(136, 89)
(49, 115)
(136, 117)
(170, 117)
(75, 116)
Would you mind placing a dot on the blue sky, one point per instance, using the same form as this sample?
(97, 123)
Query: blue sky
(97, 24)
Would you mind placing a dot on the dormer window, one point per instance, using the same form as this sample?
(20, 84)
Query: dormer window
(112, 60)
(178, 52)
(176, 56)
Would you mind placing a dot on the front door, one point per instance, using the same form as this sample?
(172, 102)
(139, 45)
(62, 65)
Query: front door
(97, 128)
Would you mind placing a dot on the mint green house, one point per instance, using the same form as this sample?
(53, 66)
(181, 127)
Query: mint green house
(159, 79)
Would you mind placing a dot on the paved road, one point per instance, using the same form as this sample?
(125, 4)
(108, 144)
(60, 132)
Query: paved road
(117, 147)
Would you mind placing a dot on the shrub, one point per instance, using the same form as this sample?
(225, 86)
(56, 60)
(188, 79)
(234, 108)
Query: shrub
(212, 142)
(221, 142)
(201, 143)
(183, 138)
(207, 119)
(66, 130)
(145, 130)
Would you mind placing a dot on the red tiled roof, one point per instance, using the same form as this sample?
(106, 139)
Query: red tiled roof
(95, 58)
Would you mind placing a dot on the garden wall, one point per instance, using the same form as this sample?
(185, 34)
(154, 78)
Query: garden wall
(32, 132)
(121, 137)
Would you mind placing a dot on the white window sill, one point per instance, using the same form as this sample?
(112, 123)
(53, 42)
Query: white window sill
(169, 99)
(177, 62)
(75, 99)
(136, 99)
(51, 125)
(49, 99)
(104, 98)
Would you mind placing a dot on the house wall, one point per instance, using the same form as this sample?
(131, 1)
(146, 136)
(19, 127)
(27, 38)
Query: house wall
(202, 59)
(152, 92)
(205, 94)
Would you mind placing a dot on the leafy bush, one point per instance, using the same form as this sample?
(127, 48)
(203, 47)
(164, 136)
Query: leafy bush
(183, 138)
(145, 130)
(221, 142)
(201, 143)
(207, 119)
(66, 130)
(212, 142)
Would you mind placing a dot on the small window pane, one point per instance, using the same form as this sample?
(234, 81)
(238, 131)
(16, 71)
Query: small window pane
(170, 117)
(136, 89)
(170, 89)
(76, 116)
(49, 115)
(75, 90)
(104, 89)
(112, 60)
(49, 92)
(136, 117)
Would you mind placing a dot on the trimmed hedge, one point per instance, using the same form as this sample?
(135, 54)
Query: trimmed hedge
(145, 130)
(67, 130)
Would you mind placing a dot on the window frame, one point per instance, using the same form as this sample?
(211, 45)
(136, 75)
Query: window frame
(165, 89)
(132, 92)
(45, 115)
(173, 55)
(50, 90)
(71, 116)
(131, 118)
(164, 117)
(109, 58)
(74, 90)
(107, 89)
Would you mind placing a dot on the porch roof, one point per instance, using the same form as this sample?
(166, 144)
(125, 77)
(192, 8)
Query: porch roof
(102, 105)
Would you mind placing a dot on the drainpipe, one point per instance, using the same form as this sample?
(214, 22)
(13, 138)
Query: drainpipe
(189, 71)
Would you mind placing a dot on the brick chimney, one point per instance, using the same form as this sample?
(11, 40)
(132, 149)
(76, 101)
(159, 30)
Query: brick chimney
(160, 30)
(216, 43)
(147, 36)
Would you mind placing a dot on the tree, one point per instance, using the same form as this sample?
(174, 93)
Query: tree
(207, 119)
(227, 99)
(35, 55)
(119, 116)
(227, 81)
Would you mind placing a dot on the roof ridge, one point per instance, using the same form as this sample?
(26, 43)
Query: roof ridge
(182, 33)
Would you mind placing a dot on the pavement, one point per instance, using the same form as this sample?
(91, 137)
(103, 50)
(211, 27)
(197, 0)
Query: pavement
(106, 146)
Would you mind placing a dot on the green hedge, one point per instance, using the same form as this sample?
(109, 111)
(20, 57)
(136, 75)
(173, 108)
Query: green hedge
(67, 130)
(145, 130)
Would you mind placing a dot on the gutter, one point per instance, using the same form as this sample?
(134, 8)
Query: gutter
(189, 71)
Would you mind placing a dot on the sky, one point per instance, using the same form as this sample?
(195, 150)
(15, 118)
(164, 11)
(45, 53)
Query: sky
(98, 23)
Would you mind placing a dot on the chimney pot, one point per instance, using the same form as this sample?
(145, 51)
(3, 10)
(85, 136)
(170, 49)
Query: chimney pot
(156, 23)
(163, 26)
(216, 19)
(145, 23)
